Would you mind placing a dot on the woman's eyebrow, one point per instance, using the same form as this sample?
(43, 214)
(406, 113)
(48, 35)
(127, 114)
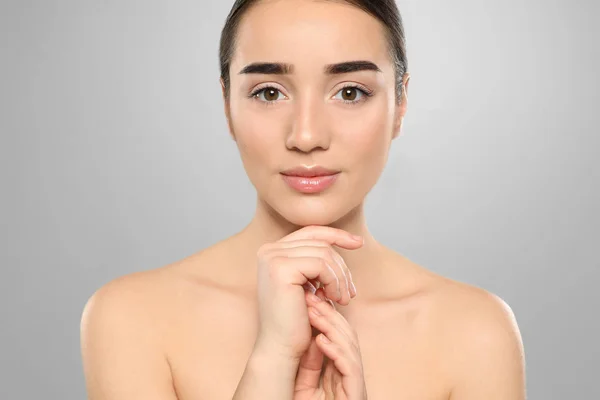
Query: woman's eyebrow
(275, 68)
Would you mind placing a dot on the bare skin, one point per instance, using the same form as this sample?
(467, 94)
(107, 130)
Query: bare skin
(186, 331)
(189, 328)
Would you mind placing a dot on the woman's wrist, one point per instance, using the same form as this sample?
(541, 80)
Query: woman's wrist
(269, 374)
(268, 356)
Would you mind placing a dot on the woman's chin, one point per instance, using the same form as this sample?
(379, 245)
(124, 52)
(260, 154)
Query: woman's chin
(306, 220)
(312, 214)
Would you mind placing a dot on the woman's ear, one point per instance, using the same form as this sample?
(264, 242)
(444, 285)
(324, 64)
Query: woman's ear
(226, 108)
(401, 107)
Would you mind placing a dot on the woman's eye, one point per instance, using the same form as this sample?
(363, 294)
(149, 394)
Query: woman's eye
(351, 94)
(268, 94)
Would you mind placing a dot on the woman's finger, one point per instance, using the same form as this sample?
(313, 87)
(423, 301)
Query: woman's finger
(333, 321)
(340, 344)
(320, 243)
(321, 294)
(342, 292)
(328, 234)
(300, 270)
(343, 350)
(347, 370)
(309, 369)
(311, 286)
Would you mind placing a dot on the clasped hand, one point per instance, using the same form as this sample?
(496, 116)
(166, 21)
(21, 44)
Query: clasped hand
(337, 346)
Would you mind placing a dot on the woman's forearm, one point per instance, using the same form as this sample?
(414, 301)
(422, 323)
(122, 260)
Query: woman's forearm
(267, 377)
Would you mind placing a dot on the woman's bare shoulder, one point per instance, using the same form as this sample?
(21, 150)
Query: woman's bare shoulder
(454, 302)
(133, 299)
(459, 301)
(479, 332)
(126, 327)
(151, 288)
(469, 307)
(149, 292)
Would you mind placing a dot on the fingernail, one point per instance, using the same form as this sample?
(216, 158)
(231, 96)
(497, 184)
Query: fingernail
(357, 238)
(353, 288)
(324, 339)
(315, 312)
(315, 298)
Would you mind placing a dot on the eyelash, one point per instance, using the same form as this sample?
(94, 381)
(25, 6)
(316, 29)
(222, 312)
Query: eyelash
(366, 94)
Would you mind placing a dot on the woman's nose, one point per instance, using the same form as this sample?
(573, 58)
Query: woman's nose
(308, 128)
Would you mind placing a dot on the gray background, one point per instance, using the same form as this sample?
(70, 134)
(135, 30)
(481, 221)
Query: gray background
(115, 158)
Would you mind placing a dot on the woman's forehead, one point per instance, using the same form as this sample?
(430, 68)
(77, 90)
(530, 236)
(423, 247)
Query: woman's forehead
(297, 31)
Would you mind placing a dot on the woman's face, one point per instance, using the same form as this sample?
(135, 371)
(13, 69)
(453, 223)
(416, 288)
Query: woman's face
(308, 116)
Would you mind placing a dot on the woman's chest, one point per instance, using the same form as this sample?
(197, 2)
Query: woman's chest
(208, 359)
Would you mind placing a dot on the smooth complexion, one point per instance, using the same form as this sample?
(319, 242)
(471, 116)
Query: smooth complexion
(187, 330)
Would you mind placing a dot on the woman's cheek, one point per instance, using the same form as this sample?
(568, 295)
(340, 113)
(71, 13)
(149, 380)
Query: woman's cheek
(368, 135)
(257, 138)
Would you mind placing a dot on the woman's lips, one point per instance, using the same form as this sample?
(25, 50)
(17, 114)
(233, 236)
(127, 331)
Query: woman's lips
(313, 184)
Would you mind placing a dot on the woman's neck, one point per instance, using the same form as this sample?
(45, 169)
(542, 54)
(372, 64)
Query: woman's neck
(268, 226)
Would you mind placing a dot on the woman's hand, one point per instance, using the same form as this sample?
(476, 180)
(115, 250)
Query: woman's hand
(343, 377)
(285, 269)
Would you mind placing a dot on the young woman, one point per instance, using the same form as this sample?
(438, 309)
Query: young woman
(314, 94)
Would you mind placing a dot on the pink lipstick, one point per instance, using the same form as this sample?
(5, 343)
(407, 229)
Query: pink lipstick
(310, 179)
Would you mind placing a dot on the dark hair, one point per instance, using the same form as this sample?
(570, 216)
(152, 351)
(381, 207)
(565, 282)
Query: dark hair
(385, 11)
